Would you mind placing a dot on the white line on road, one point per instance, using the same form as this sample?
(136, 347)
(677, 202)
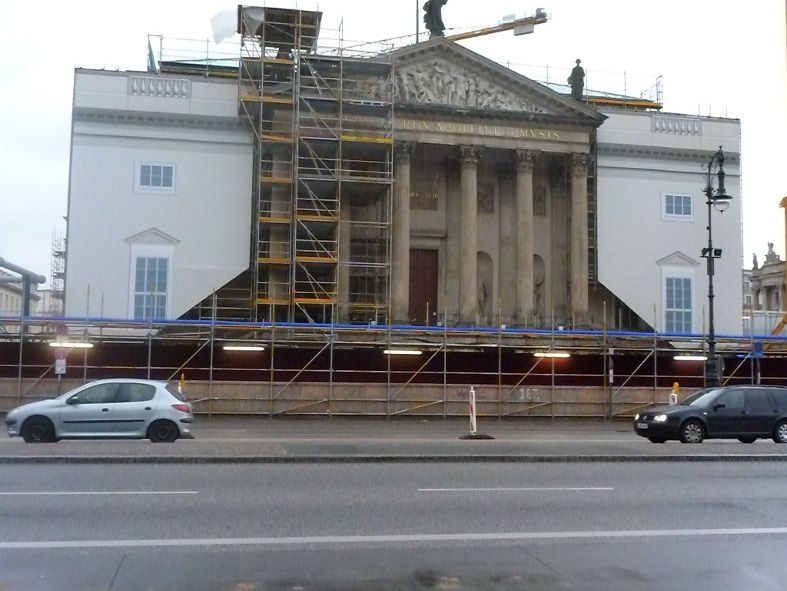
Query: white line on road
(394, 539)
(522, 489)
(98, 492)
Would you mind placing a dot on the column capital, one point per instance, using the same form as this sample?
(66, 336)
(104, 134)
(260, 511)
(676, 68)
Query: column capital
(403, 150)
(526, 159)
(470, 154)
(580, 163)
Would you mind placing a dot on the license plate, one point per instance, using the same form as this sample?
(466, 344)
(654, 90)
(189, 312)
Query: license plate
(642, 425)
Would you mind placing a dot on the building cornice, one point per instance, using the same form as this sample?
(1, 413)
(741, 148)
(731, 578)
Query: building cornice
(664, 153)
(144, 118)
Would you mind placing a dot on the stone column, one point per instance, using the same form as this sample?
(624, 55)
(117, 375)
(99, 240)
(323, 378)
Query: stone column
(468, 237)
(579, 238)
(400, 256)
(525, 163)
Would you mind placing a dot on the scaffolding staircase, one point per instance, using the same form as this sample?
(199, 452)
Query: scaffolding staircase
(323, 126)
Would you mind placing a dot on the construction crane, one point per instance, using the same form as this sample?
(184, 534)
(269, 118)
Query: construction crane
(525, 25)
(520, 26)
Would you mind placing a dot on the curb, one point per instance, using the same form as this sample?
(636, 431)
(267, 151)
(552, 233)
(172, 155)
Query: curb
(383, 459)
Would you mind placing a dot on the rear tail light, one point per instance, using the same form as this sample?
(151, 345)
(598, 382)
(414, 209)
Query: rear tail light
(182, 407)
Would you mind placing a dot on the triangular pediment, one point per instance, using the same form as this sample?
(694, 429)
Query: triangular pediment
(152, 236)
(677, 259)
(442, 73)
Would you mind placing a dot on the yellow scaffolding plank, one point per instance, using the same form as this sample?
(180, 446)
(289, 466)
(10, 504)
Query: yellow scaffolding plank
(299, 300)
(252, 98)
(274, 260)
(367, 139)
(268, 60)
(274, 301)
(313, 259)
(275, 179)
(281, 100)
(272, 137)
(641, 103)
(274, 219)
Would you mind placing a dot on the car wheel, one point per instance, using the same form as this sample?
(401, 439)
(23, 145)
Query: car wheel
(747, 439)
(657, 439)
(780, 432)
(692, 432)
(163, 431)
(38, 430)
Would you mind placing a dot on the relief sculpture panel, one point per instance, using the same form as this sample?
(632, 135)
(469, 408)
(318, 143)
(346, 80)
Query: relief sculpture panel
(442, 83)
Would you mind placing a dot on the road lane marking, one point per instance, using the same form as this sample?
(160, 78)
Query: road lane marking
(98, 492)
(523, 489)
(393, 539)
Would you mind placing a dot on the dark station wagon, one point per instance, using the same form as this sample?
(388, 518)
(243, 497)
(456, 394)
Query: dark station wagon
(745, 413)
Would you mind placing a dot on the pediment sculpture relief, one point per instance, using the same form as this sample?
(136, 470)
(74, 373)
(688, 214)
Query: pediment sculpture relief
(441, 83)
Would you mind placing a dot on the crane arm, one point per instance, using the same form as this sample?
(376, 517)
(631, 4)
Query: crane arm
(523, 23)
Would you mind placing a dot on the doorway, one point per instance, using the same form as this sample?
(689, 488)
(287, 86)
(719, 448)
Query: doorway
(423, 287)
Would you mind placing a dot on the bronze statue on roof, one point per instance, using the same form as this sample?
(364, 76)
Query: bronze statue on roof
(577, 81)
(433, 18)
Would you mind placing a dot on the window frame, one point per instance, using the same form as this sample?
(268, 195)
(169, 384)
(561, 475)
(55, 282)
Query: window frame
(677, 217)
(150, 251)
(679, 272)
(152, 189)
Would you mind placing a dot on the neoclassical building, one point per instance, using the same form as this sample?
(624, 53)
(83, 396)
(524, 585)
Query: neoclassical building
(493, 178)
(426, 185)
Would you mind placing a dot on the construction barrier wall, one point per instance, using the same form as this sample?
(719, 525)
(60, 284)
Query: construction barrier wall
(307, 369)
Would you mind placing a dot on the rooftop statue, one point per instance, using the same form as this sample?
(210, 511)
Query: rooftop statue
(433, 18)
(577, 81)
(771, 256)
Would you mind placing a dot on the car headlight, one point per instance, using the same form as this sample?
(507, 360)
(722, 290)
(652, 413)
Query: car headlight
(660, 419)
(636, 417)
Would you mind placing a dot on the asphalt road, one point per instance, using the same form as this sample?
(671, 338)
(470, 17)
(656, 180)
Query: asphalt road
(263, 439)
(394, 526)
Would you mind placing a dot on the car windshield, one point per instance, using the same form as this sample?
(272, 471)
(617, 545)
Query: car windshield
(700, 398)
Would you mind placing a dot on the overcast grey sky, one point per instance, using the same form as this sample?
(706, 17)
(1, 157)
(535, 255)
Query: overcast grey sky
(718, 57)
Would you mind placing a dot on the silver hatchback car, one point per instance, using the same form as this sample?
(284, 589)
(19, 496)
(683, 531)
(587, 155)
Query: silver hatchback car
(117, 408)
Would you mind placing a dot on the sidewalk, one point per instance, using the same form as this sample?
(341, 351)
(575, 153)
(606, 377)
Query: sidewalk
(305, 440)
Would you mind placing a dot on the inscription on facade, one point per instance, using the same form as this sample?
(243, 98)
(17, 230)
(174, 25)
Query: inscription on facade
(532, 133)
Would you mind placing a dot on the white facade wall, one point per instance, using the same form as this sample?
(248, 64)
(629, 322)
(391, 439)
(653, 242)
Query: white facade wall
(642, 157)
(202, 225)
(122, 119)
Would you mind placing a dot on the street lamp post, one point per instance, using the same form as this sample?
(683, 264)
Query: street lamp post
(719, 199)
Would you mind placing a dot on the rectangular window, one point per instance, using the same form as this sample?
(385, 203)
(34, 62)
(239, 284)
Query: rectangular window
(678, 207)
(159, 178)
(150, 288)
(678, 308)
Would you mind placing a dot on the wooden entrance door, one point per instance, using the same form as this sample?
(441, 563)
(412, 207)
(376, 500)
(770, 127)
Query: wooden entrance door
(423, 286)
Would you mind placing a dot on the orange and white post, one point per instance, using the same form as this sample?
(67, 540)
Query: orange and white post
(473, 426)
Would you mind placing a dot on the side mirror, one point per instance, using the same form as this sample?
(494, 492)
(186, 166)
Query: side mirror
(719, 405)
(73, 400)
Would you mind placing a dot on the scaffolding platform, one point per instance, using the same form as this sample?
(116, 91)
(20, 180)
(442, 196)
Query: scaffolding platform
(322, 119)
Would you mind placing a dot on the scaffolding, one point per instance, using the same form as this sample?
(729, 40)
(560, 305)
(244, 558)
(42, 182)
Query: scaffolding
(302, 369)
(322, 118)
(57, 277)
